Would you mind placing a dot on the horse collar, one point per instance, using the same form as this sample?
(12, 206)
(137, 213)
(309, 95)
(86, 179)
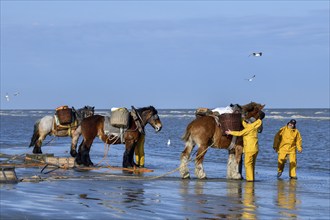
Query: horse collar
(138, 121)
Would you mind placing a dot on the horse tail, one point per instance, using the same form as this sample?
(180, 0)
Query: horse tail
(35, 135)
(186, 135)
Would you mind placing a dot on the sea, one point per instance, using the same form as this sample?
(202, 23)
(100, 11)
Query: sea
(162, 194)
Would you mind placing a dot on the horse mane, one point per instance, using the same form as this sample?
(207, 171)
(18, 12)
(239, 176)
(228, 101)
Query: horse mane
(80, 111)
(250, 107)
(140, 110)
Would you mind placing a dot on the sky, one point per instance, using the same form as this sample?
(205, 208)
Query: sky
(168, 54)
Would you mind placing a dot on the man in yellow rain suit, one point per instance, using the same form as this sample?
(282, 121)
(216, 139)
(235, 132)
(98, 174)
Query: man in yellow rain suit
(286, 142)
(139, 151)
(250, 141)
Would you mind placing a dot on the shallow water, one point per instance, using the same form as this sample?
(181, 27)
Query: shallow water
(109, 193)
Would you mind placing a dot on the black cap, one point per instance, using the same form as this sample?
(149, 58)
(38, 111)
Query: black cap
(292, 121)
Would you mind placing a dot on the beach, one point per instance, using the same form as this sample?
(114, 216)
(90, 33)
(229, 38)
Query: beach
(112, 193)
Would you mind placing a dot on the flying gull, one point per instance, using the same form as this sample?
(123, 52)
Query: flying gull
(250, 79)
(256, 54)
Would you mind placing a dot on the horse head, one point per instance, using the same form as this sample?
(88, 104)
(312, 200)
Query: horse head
(150, 115)
(253, 110)
(84, 112)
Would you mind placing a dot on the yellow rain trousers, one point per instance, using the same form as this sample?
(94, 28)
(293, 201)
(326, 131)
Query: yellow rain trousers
(250, 141)
(139, 151)
(286, 143)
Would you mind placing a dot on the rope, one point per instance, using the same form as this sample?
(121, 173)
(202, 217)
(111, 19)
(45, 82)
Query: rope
(156, 177)
(107, 148)
(49, 141)
(176, 169)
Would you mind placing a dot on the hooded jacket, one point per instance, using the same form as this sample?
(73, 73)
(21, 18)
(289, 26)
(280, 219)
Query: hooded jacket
(250, 136)
(287, 140)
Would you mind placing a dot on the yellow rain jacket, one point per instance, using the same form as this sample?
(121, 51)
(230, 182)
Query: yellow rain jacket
(287, 140)
(250, 136)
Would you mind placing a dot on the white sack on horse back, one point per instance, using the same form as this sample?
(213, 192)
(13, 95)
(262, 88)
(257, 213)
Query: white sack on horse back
(222, 110)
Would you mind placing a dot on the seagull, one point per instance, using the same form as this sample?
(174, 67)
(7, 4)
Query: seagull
(7, 97)
(16, 93)
(250, 79)
(168, 142)
(257, 54)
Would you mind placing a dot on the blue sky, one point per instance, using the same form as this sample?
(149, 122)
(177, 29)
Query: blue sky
(169, 54)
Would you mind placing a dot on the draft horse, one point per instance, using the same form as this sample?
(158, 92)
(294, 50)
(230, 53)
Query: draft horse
(204, 132)
(47, 126)
(96, 126)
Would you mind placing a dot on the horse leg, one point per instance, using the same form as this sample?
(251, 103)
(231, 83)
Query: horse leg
(128, 158)
(75, 137)
(199, 169)
(83, 153)
(131, 156)
(78, 156)
(184, 159)
(234, 163)
(37, 146)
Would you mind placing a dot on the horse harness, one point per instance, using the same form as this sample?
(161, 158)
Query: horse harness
(57, 126)
(138, 120)
(118, 133)
(206, 112)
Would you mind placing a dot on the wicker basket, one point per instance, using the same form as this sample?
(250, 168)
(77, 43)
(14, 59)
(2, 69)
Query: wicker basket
(119, 118)
(232, 121)
(64, 115)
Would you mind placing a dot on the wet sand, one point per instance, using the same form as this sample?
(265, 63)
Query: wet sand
(115, 194)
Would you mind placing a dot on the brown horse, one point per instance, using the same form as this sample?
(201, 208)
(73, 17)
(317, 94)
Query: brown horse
(98, 125)
(204, 132)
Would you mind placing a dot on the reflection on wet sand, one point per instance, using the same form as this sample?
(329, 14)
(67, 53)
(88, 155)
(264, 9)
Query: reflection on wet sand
(249, 203)
(135, 197)
(286, 198)
(124, 198)
(204, 203)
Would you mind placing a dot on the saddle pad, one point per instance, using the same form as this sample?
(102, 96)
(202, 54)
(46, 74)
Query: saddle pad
(111, 130)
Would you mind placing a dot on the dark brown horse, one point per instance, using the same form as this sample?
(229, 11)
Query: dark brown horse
(98, 125)
(204, 132)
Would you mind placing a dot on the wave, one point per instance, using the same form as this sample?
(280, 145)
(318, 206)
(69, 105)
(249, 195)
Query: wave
(296, 116)
(104, 113)
(176, 116)
(321, 113)
(16, 114)
(290, 113)
(275, 113)
(176, 112)
(310, 117)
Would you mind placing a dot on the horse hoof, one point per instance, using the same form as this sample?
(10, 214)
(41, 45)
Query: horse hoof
(37, 151)
(73, 153)
(78, 161)
(186, 176)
